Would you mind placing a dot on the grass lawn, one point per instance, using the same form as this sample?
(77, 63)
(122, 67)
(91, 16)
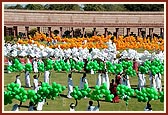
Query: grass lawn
(62, 103)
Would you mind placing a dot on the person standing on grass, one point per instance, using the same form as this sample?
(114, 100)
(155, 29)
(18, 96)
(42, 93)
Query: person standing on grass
(98, 82)
(93, 108)
(35, 65)
(118, 79)
(83, 81)
(152, 80)
(47, 76)
(158, 82)
(125, 80)
(105, 78)
(35, 82)
(70, 85)
(73, 106)
(27, 79)
(113, 90)
(135, 65)
(141, 80)
(9, 64)
(18, 80)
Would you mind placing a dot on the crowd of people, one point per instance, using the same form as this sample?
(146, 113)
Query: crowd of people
(103, 77)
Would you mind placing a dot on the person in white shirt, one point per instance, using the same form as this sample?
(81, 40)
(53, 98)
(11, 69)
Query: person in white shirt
(27, 79)
(18, 80)
(73, 106)
(9, 64)
(93, 108)
(98, 82)
(35, 66)
(15, 107)
(83, 81)
(158, 78)
(47, 76)
(125, 80)
(152, 80)
(70, 85)
(105, 78)
(148, 107)
(141, 80)
(35, 82)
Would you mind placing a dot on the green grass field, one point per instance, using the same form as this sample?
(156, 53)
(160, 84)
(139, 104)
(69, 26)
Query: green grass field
(62, 103)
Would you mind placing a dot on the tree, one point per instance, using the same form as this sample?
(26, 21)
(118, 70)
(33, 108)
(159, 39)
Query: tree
(114, 7)
(144, 7)
(66, 34)
(93, 7)
(66, 7)
(32, 32)
(34, 7)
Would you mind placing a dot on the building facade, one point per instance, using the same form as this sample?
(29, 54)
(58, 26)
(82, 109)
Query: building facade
(120, 23)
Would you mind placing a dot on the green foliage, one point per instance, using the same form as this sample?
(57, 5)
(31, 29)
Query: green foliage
(8, 38)
(93, 7)
(66, 7)
(34, 7)
(32, 32)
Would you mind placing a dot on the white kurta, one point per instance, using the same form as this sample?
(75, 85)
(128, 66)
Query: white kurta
(40, 106)
(106, 80)
(126, 81)
(71, 109)
(9, 64)
(35, 66)
(82, 83)
(98, 82)
(141, 80)
(35, 85)
(18, 82)
(27, 79)
(46, 76)
(70, 87)
(158, 81)
(91, 72)
(152, 81)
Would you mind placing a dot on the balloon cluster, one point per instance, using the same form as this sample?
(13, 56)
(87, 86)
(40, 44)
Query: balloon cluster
(49, 64)
(14, 92)
(40, 66)
(161, 96)
(146, 94)
(93, 65)
(28, 67)
(156, 66)
(78, 94)
(45, 91)
(100, 92)
(130, 72)
(61, 66)
(16, 66)
(124, 92)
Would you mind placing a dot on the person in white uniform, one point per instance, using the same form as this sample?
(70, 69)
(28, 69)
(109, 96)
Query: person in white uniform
(27, 79)
(9, 64)
(125, 80)
(83, 81)
(152, 80)
(35, 82)
(93, 108)
(15, 107)
(70, 85)
(73, 106)
(47, 76)
(98, 82)
(158, 78)
(105, 78)
(141, 80)
(18, 80)
(35, 66)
